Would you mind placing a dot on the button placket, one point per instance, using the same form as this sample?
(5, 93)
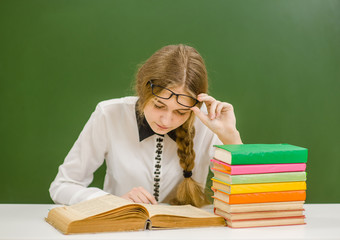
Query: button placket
(157, 166)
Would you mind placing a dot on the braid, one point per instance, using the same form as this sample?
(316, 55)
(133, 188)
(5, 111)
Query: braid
(188, 191)
(185, 146)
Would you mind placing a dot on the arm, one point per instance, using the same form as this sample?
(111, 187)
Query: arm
(220, 119)
(86, 156)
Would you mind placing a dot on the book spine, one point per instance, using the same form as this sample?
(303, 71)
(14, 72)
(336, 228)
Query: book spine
(265, 178)
(148, 225)
(284, 196)
(267, 187)
(257, 187)
(259, 168)
(267, 168)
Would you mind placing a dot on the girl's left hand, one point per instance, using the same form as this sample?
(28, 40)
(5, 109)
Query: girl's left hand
(220, 119)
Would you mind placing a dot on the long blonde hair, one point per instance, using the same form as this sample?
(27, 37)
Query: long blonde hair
(177, 65)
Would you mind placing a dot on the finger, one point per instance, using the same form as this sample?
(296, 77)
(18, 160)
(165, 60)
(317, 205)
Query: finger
(126, 196)
(201, 115)
(212, 109)
(136, 196)
(140, 195)
(205, 98)
(133, 197)
(228, 113)
(227, 107)
(202, 94)
(142, 198)
(219, 109)
(151, 199)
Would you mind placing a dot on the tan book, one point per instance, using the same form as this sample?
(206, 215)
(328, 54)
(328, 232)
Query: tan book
(266, 222)
(259, 214)
(110, 213)
(254, 207)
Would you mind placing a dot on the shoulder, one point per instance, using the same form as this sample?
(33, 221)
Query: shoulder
(117, 108)
(117, 104)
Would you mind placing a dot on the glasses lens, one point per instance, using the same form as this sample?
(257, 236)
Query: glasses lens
(186, 100)
(161, 92)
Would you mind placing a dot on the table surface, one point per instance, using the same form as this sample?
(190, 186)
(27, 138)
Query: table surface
(26, 221)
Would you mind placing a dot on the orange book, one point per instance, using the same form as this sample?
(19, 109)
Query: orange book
(284, 196)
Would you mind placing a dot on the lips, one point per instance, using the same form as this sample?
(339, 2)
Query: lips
(162, 127)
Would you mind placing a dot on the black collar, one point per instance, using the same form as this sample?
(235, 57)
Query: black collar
(145, 130)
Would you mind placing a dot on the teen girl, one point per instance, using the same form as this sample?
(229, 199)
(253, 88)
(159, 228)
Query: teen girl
(158, 145)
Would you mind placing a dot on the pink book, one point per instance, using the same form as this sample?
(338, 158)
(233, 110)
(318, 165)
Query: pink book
(257, 168)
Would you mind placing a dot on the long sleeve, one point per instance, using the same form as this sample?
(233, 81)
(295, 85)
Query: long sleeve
(85, 157)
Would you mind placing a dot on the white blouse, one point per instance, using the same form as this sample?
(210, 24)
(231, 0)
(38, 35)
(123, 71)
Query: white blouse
(112, 134)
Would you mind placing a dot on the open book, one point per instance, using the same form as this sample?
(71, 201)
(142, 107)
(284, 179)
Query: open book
(110, 213)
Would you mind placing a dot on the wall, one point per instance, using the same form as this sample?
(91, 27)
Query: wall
(277, 62)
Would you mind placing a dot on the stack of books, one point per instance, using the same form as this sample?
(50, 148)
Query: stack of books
(258, 185)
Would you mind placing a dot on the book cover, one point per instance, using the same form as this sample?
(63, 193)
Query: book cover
(257, 168)
(259, 178)
(257, 187)
(262, 197)
(239, 154)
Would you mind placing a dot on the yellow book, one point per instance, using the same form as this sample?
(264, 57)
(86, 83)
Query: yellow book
(257, 187)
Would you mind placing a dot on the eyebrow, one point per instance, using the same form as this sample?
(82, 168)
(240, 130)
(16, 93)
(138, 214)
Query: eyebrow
(182, 109)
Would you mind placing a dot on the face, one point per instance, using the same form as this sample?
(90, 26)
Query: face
(165, 115)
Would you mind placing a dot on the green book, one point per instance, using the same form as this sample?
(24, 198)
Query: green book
(239, 154)
(260, 178)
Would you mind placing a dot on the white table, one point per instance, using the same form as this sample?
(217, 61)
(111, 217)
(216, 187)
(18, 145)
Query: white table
(26, 221)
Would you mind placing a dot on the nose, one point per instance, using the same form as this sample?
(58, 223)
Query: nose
(166, 118)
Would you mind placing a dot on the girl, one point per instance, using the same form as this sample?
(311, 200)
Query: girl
(155, 148)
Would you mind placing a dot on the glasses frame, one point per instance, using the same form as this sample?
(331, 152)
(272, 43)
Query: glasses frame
(172, 94)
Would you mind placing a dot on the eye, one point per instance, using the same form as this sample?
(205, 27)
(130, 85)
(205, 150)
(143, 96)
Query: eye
(158, 106)
(181, 113)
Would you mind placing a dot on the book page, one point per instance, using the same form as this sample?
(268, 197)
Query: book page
(98, 205)
(181, 211)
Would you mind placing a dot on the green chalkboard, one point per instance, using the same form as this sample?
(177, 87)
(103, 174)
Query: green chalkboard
(277, 62)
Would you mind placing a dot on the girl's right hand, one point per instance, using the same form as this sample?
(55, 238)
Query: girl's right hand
(140, 195)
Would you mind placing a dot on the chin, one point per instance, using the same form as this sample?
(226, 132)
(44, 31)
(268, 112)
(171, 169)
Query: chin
(160, 131)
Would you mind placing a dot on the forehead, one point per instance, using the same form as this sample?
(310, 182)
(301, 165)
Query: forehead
(179, 90)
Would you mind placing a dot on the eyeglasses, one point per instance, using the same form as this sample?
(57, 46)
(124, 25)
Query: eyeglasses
(164, 93)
